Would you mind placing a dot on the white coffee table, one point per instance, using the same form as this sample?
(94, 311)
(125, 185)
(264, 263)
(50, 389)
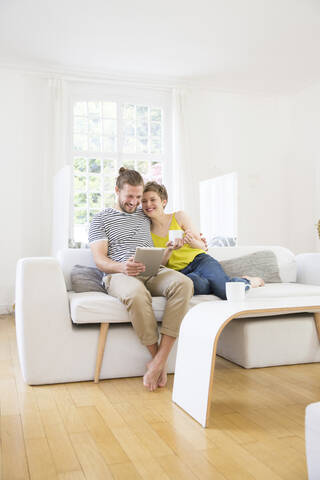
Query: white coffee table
(198, 339)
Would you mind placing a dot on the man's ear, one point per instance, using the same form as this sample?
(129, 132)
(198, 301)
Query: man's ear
(116, 189)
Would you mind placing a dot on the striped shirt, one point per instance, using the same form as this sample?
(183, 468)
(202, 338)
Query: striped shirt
(123, 231)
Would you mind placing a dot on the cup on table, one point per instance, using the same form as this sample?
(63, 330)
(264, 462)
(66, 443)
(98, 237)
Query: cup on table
(235, 291)
(174, 234)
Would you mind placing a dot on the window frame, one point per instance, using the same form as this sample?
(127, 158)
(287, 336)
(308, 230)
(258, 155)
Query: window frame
(157, 98)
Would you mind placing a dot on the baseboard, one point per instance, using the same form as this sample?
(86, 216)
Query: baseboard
(6, 309)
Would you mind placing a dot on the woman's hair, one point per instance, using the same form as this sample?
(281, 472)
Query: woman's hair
(132, 177)
(157, 188)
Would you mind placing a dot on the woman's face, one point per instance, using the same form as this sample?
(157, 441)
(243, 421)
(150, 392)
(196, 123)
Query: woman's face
(152, 204)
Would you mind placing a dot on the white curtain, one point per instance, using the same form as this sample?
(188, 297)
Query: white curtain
(184, 189)
(61, 160)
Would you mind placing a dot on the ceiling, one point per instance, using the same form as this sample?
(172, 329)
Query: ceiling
(233, 45)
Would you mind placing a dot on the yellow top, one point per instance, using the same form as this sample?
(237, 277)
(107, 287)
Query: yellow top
(180, 258)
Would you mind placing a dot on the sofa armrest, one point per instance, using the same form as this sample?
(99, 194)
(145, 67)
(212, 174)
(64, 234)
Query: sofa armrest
(308, 266)
(42, 311)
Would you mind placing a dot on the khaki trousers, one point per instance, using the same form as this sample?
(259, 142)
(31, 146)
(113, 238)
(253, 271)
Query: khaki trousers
(136, 294)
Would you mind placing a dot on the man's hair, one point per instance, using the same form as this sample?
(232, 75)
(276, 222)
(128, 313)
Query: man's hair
(132, 177)
(157, 188)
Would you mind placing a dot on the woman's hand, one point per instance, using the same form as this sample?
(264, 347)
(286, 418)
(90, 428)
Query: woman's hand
(176, 244)
(170, 246)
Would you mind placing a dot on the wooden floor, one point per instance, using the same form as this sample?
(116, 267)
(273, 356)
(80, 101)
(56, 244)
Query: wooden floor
(117, 430)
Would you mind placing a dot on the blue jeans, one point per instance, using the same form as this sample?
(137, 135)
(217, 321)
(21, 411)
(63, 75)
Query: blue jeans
(208, 276)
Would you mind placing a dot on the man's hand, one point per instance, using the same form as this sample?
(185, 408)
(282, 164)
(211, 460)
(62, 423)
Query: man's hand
(132, 268)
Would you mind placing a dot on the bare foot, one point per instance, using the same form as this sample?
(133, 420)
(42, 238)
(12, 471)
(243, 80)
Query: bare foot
(255, 281)
(162, 381)
(152, 375)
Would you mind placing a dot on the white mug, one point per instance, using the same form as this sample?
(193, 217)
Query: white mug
(173, 234)
(235, 291)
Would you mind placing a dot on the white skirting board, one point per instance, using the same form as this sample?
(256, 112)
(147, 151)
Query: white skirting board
(6, 309)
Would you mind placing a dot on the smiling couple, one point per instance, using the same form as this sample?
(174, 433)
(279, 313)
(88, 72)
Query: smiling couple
(114, 235)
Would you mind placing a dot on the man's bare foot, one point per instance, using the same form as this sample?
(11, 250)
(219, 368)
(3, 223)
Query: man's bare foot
(255, 281)
(162, 381)
(152, 375)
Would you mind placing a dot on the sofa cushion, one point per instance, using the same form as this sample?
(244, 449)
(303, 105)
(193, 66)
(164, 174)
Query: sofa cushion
(285, 258)
(97, 307)
(258, 264)
(86, 279)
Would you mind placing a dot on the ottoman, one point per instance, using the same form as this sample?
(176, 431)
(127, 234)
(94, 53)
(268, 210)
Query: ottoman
(313, 440)
(270, 341)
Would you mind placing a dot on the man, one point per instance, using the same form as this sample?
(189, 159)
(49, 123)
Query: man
(114, 235)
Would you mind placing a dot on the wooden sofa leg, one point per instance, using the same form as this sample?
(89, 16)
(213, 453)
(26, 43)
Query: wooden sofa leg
(102, 341)
(317, 322)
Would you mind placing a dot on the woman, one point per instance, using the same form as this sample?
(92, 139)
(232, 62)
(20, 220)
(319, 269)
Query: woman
(187, 255)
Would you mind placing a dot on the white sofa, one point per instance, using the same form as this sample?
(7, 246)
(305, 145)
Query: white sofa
(53, 349)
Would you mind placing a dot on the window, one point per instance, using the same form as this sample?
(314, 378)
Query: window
(107, 135)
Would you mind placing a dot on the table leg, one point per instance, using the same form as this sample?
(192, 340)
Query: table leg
(196, 361)
(102, 341)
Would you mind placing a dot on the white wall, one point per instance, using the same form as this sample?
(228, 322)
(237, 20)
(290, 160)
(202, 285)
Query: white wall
(271, 143)
(25, 193)
(256, 137)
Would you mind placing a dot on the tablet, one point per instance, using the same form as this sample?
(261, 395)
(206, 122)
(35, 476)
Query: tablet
(151, 258)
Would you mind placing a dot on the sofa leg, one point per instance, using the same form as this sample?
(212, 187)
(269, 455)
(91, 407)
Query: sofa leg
(102, 341)
(317, 322)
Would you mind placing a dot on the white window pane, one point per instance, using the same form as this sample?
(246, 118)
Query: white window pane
(109, 109)
(109, 200)
(80, 108)
(128, 112)
(156, 172)
(95, 200)
(129, 164)
(94, 183)
(155, 129)
(80, 215)
(94, 165)
(129, 145)
(155, 114)
(143, 167)
(142, 129)
(80, 125)
(155, 145)
(94, 144)
(80, 199)
(108, 184)
(142, 145)
(110, 128)
(95, 124)
(80, 142)
(109, 166)
(80, 183)
(109, 144)
(94, 107)
(79, 165)
(142, 112)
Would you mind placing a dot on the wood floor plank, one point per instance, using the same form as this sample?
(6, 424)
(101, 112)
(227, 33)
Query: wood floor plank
(106, 442)
(146, 465)
(92, 463)
(40, 461)
(14, 461)
(63, 453)
(124, 471)
(119, 430)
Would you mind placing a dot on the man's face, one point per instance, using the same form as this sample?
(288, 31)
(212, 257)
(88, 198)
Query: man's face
(129, 197)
